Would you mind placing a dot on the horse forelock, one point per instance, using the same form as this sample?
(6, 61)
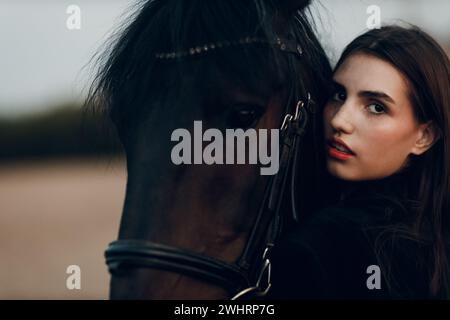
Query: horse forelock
(129, 73)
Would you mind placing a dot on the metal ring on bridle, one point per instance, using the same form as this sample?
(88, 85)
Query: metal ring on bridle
(257, 290)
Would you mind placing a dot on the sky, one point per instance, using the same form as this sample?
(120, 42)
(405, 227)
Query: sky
(44, 64)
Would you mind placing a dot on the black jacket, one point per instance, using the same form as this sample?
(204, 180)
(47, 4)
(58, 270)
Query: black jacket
(328, 255)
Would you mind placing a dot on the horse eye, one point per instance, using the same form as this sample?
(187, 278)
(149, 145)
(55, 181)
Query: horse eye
(244, 116)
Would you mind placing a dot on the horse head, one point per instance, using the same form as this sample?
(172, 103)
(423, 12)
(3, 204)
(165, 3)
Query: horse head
(204, 230)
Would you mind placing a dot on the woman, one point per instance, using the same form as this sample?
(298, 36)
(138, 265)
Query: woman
(387, 151)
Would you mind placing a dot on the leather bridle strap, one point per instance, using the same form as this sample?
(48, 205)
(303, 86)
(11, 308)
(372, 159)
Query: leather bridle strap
(267, 226)
(137, 253)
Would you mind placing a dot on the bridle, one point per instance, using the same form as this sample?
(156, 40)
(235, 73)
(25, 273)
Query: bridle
(251, 273)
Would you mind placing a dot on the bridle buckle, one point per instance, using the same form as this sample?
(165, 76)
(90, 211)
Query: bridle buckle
(257, 289)
(293, 118)
(265, 270)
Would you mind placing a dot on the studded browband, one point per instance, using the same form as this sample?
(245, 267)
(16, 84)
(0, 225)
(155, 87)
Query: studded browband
(282, 44)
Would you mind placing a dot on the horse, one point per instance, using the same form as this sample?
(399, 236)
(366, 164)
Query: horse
(206, 231)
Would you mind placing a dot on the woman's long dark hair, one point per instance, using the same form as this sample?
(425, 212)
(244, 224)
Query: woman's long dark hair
(426, 67)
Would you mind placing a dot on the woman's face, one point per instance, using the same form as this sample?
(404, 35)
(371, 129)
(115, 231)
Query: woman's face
(371, 113)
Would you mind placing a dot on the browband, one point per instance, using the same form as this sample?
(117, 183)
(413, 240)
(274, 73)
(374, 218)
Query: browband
(282, 44)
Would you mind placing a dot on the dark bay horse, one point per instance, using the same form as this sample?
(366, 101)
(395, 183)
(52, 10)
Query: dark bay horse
(205, 231)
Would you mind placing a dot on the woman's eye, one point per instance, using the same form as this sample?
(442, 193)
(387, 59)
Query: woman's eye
(244, 116)
(376, 108)
(339, 96)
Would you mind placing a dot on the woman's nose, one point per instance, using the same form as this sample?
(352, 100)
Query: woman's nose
(341, 119)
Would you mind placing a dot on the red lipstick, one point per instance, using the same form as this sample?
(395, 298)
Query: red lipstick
(337, 149)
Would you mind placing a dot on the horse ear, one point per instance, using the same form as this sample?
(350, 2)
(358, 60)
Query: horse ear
(291, 6)
(287, 9)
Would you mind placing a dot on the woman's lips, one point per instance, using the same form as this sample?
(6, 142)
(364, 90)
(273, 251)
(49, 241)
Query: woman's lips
(337, 149)
(335, 153)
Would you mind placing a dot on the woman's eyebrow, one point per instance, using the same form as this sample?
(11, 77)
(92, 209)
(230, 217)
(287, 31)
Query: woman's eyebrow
(365, 93)
(376, 94)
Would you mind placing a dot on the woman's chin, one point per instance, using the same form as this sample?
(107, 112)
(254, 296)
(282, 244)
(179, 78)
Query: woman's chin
(338, 170)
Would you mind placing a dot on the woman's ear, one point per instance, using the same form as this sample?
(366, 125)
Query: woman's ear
(427, 136)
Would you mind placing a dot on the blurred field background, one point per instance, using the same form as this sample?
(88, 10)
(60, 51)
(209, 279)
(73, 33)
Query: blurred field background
(62, 183)
(62, 176)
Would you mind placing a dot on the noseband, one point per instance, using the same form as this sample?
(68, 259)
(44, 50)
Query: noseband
(251, 273)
